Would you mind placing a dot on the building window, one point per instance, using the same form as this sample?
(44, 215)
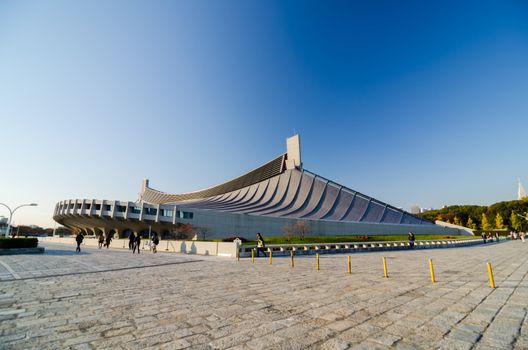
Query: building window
(150, 211)
(166, 212)
(120, 208)
(88, 206)
(98, 207)
(107, 207)
(184, 214)
(135, 210)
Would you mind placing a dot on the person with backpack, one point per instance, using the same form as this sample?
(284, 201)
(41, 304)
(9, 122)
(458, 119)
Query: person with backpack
(411, 239)
(79, 239)
(155, 242)
(261, 246)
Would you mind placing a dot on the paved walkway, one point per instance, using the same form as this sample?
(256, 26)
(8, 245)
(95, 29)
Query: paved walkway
(113, 299)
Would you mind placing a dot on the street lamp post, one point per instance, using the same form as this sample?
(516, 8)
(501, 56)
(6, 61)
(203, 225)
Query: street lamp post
(11, 212)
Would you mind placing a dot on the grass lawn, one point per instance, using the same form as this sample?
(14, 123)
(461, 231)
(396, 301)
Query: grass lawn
(341, 239)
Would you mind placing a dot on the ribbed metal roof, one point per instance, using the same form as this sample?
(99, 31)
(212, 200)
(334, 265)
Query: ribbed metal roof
(270, 169)
(270, 190)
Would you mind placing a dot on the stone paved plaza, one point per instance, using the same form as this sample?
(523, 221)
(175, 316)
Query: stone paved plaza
(116, 300)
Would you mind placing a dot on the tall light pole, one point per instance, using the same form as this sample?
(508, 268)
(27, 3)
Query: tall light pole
(11, 212)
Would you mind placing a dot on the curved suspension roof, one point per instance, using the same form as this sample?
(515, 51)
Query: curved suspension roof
(278, 190)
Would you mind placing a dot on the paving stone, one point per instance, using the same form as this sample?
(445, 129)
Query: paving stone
(385, 339)
(174, 301)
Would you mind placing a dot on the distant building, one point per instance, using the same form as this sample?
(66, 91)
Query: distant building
(415, 209)
(3, 225)
(521, 192)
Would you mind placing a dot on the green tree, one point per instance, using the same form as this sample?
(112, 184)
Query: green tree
(470, 224)
(484, 224)
(457, 221)
(515, 222)
(499, 222)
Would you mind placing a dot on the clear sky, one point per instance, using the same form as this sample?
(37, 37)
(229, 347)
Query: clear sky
(407, 101)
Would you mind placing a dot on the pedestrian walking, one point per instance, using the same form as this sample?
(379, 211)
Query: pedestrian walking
(79, 238)
(155, 242)
(131, 239)
(137, 242)
(483, 235)
(261, 246)
(100, 240)
(108, 240)
(523, 235)
(411, 239)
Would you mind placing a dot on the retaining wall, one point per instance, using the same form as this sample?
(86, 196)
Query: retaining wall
(356, 247)
(225, 249)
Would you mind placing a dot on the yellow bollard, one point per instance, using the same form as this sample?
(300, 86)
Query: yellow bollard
(252, 255)
(490, 273)
(291, 254)
(317, 261)
(271, 257)
(385, 273)
(349, 267)
(431, 268)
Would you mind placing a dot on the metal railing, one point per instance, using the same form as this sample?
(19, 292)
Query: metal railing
(352, 247)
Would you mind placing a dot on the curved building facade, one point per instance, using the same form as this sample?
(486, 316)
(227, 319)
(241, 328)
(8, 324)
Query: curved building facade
(266, 199)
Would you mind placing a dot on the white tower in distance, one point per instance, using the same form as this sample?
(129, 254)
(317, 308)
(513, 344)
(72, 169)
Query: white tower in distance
(521, 192)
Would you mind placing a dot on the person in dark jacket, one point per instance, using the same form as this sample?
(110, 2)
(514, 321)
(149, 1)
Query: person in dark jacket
(137, 242)
(155, 242)
(131, 239)
(411, 239)
(79, 238)
(100, 240)
(108, 240)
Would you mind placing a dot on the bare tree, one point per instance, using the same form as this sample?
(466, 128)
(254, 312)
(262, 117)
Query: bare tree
(185, 231)
(203, 231)
(303, 228)
(299, 229)
(289, 231)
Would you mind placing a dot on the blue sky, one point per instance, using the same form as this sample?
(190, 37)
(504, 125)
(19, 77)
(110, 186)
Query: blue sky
(409, 102)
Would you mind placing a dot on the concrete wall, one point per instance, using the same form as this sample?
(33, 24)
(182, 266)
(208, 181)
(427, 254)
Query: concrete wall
(76, 213)
(245, 225)
(469, 232)
(224, 249)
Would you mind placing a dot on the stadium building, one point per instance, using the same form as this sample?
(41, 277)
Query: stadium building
(276, 195)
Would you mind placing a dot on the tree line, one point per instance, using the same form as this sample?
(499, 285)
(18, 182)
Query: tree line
(508, 215)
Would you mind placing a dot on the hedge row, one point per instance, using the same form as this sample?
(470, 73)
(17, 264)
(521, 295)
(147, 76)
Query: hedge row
(6, 243)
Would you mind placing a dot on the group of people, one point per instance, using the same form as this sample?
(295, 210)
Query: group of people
(104, 241)
(518, 235)
(134, 241)
(488, 237)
